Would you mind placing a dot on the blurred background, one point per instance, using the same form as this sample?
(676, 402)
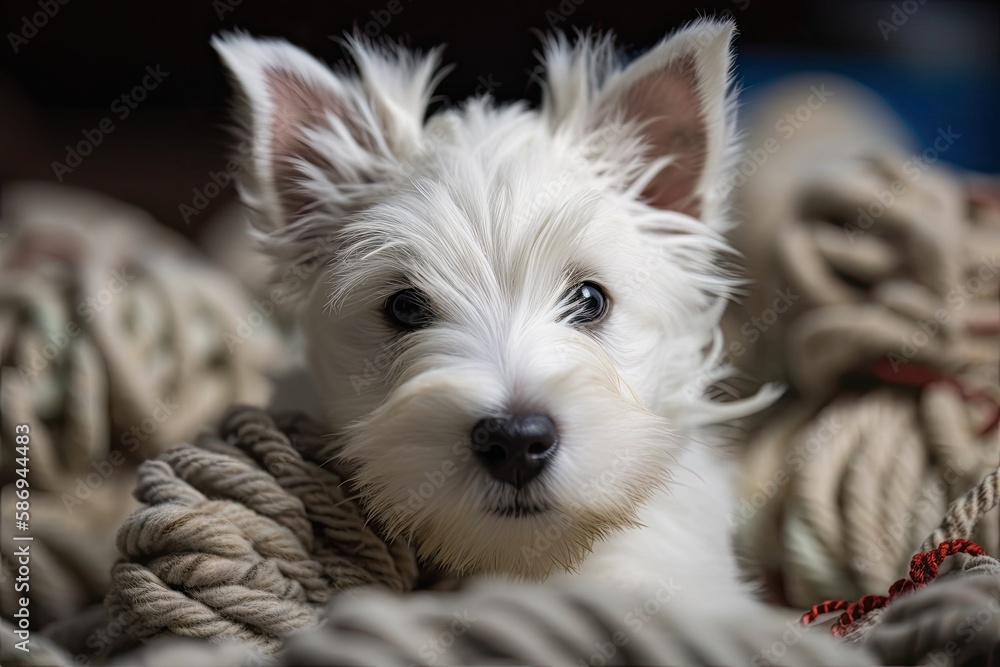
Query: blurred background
(66, 65)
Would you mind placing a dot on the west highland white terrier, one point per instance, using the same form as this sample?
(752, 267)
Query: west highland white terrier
(538, 291)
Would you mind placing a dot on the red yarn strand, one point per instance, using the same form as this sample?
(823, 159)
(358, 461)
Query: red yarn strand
(921, 376)
(924, 569)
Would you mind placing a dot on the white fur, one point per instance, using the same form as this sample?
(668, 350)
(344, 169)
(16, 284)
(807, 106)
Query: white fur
(494, 212)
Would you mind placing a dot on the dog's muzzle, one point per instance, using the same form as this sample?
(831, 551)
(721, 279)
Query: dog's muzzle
(515, 450)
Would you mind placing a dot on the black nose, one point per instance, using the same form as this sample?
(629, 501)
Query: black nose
(514, 449)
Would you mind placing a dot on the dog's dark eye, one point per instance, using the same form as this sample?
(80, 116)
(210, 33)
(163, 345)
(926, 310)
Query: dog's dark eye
(408, 309)
(586, 304)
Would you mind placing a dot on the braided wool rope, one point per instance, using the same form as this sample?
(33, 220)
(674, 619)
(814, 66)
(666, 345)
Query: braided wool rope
(491, 622)
(244, 537)
(860, 490)
(589, 622)
(967, 511)
(223, 551)
(886, 327)
(955, 620)
(951, 622)
(112, 348)
(102, 306)
(585, 623)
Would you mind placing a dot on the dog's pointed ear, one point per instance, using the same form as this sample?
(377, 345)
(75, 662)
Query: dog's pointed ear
(315, 141)
(678, 93)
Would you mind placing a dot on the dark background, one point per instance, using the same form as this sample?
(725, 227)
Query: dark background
(938, 69)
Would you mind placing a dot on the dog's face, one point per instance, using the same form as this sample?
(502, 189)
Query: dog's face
(516, 311)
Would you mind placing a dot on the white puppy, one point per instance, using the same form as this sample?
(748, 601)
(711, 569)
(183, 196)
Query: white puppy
(517, 317)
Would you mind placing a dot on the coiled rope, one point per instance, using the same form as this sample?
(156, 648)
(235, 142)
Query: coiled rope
(876, 300)
(245, 535)
(978, 631)
(113, 347)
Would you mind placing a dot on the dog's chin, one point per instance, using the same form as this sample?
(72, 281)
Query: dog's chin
(506, 502)
(528, 534)
(471, 525)
(526, 542)
(520, 510)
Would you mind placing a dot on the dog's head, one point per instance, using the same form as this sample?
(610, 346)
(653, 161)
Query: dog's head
(511, 313)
